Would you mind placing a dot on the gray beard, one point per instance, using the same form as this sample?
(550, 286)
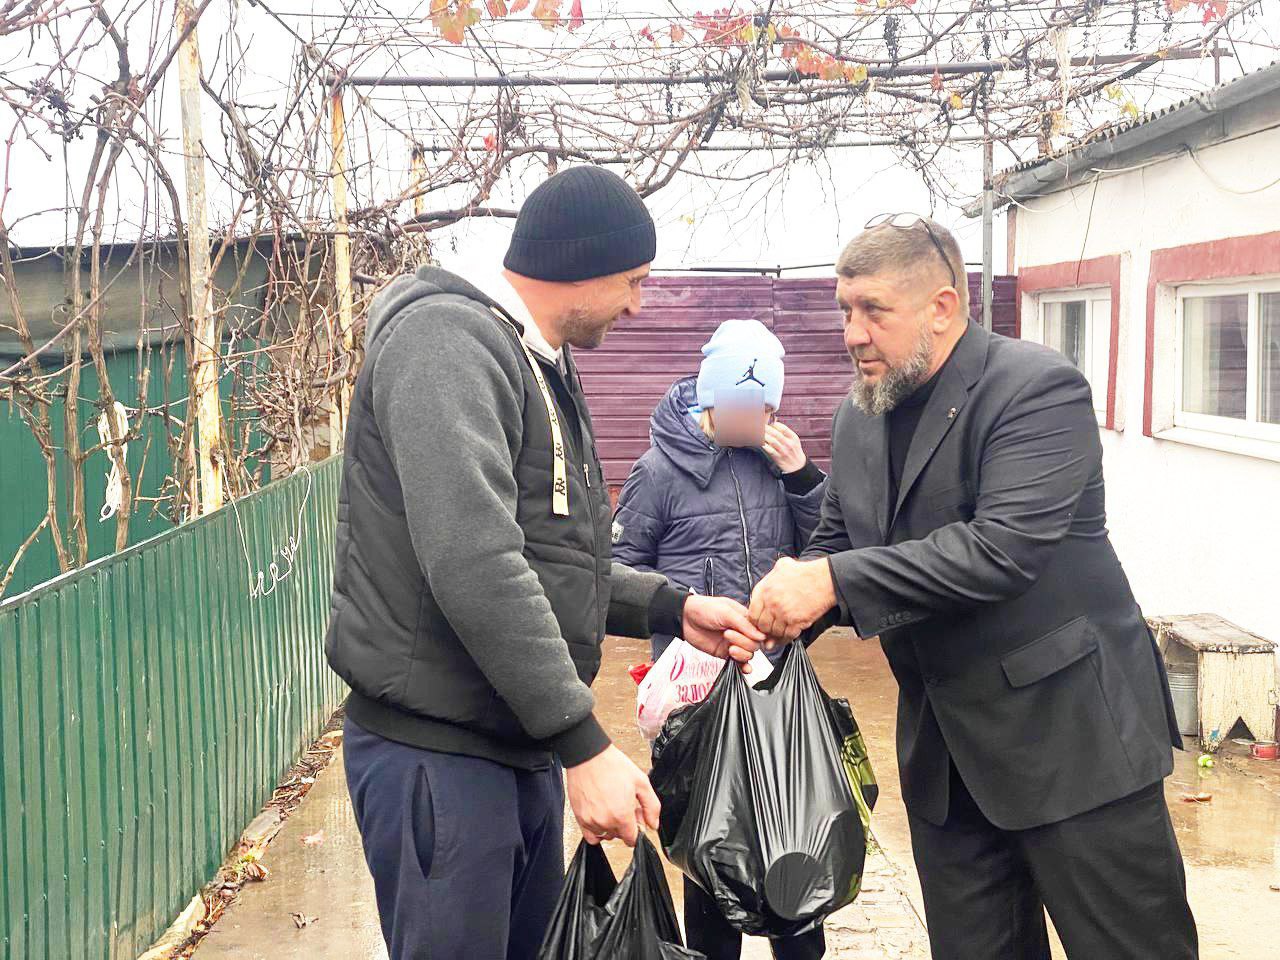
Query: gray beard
(897, 384)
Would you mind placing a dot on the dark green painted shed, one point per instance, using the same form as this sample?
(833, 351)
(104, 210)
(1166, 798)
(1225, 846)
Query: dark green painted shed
(140, 307)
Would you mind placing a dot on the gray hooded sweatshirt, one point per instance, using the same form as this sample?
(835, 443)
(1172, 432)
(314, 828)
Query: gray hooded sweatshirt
(473, 582)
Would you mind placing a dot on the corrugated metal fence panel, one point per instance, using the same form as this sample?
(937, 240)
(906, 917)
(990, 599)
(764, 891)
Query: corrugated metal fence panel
(1004, 291)
(644, 355)
(23, 480)
(148, 705)
(819, 371)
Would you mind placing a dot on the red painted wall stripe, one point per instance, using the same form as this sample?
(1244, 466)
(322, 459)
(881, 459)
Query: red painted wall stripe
(1227, 259)
(1100, 271)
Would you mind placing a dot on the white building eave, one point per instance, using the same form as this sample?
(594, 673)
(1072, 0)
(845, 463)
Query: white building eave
(1171, 131)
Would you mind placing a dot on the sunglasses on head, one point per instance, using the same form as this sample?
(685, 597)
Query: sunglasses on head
(909, 221)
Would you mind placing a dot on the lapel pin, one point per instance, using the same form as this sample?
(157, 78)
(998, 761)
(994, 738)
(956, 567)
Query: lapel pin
(951, 414)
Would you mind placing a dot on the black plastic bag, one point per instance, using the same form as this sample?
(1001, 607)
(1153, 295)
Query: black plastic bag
(580, 909)
(766, 798)
(598, 918)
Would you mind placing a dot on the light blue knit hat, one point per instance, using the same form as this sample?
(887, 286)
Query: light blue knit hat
(741, 356)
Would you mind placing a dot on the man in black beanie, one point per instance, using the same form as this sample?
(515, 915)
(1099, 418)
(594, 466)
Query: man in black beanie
(473, 583)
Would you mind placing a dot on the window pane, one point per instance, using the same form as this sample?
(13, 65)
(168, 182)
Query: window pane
(1215, 355)
(1073, 331)
(1053, 325)
(1269, 358)
(1064, 329)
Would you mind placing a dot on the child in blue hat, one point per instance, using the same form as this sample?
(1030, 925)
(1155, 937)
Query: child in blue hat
(724, 490)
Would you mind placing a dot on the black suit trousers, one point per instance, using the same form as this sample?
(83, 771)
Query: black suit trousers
(1111, 878)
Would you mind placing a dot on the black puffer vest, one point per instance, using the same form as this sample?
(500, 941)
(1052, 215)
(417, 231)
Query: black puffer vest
(412, 678)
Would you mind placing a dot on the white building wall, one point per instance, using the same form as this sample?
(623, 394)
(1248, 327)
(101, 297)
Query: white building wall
(1197, 529)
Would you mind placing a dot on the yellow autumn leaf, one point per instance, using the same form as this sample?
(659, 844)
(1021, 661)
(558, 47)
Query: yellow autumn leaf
(547, 13)
(773, 33)
(1131, 110)
(749, 33)
(1114, 91)
(957, 102)
(453, 27)
(860, 73)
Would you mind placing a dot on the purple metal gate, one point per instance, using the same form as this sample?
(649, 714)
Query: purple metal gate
(644, 355)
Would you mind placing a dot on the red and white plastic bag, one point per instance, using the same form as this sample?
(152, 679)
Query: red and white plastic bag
(682, 675)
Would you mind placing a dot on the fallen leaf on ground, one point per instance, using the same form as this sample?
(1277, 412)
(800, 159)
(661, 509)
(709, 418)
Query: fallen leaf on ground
(301, 921)
(1197, 797)
(314, 839)
(253, 870)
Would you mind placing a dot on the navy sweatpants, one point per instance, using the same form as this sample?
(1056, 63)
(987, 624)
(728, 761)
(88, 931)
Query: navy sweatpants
(467, 855)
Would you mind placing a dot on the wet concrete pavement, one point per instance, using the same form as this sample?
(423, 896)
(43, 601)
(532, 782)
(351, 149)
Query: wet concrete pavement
(884, 923)
(325, 883)
(1231, 845)
(1232, 850)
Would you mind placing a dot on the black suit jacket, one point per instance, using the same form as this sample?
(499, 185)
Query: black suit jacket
(1019, 650)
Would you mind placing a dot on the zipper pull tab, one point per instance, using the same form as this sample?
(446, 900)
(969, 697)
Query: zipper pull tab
(586, 474)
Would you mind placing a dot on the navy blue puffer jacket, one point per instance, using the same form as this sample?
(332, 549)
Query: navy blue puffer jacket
(711, 518)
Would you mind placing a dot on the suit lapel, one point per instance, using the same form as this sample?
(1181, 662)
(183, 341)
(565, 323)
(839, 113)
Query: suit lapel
(961, 372)
(874, 462)
(939, 414)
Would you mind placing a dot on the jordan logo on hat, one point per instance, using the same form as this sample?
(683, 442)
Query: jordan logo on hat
(750, 375)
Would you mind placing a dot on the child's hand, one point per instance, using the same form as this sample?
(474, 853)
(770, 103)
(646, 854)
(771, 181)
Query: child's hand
(783, 447)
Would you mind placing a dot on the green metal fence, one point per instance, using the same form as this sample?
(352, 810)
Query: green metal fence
(24, 483)
(148, 705)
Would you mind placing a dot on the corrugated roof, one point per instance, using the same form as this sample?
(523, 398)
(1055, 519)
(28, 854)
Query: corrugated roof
(1115, 131)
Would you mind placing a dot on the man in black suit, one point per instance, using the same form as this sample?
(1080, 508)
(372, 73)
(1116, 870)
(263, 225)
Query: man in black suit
(964, 523)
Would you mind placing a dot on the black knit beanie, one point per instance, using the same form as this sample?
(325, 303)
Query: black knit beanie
(582, 223)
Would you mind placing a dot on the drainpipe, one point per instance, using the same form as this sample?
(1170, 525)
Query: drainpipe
(987, 205)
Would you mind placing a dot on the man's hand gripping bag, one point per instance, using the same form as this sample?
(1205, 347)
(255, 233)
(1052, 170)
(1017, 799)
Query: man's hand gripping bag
(766, 798)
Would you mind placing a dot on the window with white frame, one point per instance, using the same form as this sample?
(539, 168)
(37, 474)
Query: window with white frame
(1077, 323)
(1228, 358)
